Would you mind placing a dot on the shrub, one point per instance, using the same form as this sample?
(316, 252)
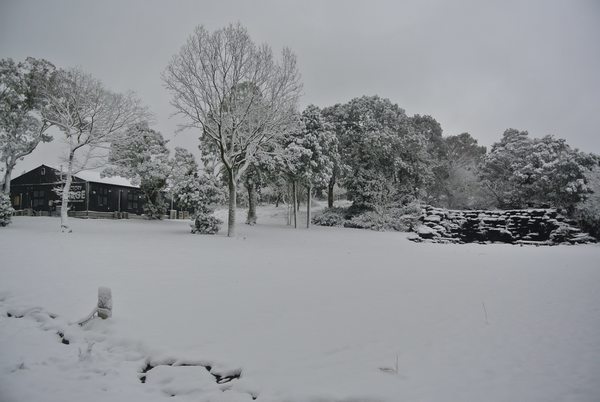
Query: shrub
(405, 218)
(156, 209)
(587, 213)
(331, 217)
(560, 234)
(368, 220)
(588, 219)
(6, 209)
(206, 224)
(401, 218)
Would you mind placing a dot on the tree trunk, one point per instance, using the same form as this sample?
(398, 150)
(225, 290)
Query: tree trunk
(308, 199)
(289, 207)
(251, 218)
(64, 208)
(232, 204)
(330, 192)
(7, 176)
(295, 203)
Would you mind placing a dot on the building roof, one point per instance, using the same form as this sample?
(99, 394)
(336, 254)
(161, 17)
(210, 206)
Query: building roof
(94, 176)
(90, 176)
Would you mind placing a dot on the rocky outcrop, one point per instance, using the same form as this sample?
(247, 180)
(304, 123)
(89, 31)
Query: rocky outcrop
(522, 226)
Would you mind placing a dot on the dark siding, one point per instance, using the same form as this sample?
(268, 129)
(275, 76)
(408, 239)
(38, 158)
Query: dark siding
(105, 197)
(40, 175)
(36, 190)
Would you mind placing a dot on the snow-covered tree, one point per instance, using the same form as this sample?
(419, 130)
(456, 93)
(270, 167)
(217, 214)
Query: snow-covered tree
(198, 191)
(309, 153)
(520, 171)
(253, 179)
(6, 209)
(335, 117)
(183, 165)
(90, 118)
(587, 212)
(21, 129)
(387, 158)
(142, 156)
(202, 194)
(236, 93)
(430, 131)
(461, 187)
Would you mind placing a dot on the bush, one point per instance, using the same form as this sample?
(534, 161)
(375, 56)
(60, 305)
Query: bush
(368, 220)
(588, 219)
(404, 218)
(401, 218)
(154, 210)
(6, 209)
(587, 213)
(206, 224)
(331, 217)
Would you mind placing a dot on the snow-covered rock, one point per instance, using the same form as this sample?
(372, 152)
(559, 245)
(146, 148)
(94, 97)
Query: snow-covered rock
(529, 226)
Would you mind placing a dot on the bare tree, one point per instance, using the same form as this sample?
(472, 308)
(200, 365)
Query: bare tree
(236, 93)
(91, 118)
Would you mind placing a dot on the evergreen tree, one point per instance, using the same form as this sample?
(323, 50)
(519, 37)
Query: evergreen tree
(196, 191)
(142, 156)
(435, 151)
(309, 153)
(21, 99)
(335, 116)
(523, 172)
(6, 209)
(461, 187)
(387, 158)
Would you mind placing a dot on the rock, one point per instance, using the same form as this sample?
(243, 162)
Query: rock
(526, 226)
(433, 218)
(426, 232)
(415, 237)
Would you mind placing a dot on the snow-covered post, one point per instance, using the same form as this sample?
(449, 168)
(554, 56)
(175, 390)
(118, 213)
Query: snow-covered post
(104, 302)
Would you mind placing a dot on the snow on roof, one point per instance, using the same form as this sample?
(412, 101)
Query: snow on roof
(92, 175)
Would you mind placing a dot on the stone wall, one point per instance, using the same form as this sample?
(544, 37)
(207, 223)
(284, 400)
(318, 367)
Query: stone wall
(523, 226)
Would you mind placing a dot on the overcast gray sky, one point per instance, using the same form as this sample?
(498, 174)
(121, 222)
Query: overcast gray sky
(476, 66)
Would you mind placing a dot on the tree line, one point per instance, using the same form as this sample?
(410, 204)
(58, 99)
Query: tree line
(242, 100)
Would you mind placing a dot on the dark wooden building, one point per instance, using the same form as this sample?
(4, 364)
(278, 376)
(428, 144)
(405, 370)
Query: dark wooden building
(36, 191)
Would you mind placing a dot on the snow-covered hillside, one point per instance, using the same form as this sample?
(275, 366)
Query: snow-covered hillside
(326, 314)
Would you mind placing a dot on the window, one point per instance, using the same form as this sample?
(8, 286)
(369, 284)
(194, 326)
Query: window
(102, 197)
(39, 198)
(132, 200)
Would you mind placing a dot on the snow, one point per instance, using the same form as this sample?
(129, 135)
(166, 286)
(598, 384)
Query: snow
(302, 315)
(92, 175)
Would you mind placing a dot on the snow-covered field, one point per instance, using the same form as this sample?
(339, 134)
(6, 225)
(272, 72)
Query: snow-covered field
(326, 314)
